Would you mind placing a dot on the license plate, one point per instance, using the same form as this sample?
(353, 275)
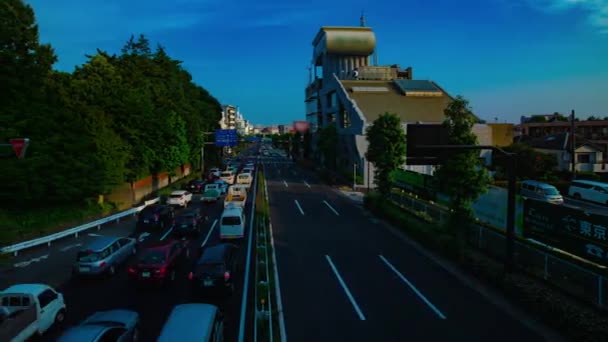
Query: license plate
(208, 282)
(145, 274)
(84, 269)
(146, 221)
(185, 226)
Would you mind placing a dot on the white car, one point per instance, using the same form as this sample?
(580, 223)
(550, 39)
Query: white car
(244, 179)
(39, 306)
(180, 197)
(228, 177)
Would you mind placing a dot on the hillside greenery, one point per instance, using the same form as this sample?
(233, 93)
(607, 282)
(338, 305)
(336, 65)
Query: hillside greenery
(114, 119)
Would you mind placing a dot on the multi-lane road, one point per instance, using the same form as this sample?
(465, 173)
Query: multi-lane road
(52, 266)
(347, 276)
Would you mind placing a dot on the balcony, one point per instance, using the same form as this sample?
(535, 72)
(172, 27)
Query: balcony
(313, 88)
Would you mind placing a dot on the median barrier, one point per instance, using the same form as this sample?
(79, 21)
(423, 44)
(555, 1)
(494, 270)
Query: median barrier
(16, 248)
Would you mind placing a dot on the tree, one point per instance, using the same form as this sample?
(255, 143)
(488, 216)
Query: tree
(530, 163)
(328, 146)
(307, 144)
(296, 145)
(386, 148)
(463, 176)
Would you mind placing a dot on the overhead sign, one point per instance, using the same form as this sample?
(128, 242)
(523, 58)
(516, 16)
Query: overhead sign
(20, 146)
(226, 137)
(421, 135)
(566, 228)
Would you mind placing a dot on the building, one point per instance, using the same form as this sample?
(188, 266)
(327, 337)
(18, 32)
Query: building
(345, 90)
(229, 116)
(588, 156)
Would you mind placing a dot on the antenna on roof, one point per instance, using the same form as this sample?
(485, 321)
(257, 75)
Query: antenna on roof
(362, 19)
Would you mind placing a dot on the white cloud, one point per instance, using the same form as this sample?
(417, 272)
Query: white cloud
(597, 10)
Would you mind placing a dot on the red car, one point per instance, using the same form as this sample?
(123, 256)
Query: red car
(157, 263)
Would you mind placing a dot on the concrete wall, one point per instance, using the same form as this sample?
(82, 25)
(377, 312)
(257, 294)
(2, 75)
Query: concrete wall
(130, 194)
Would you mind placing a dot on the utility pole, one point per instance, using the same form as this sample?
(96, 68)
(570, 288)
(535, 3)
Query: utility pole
(368, 176)
(573, 144)
(355, 177)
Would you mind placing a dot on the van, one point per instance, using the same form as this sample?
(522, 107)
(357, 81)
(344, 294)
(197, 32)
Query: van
(541, 192)
(232, 223)
(104, 255)
(193, 322)
(589, 191)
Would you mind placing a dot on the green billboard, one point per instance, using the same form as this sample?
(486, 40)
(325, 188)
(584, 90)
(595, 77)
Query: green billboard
(569, 229)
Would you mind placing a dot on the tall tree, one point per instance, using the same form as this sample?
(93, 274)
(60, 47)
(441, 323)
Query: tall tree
(463, 177)
(386, 148)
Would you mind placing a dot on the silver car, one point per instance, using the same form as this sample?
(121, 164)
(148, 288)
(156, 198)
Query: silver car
(113, 325)
(104, 254)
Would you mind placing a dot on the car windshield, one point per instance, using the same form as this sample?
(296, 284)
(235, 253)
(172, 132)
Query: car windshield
(551, 192)
(87, 256)
(226, 174)
(211, 267)
(152, 258)
(231, 220)
(176, 196)
(243, 176)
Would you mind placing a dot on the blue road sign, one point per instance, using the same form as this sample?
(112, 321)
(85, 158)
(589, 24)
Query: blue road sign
(253, 139)
(226, 137)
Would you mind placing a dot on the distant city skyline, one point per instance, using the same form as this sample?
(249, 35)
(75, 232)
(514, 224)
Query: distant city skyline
(509, 58)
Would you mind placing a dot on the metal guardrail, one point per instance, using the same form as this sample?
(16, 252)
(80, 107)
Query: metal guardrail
(75, 230)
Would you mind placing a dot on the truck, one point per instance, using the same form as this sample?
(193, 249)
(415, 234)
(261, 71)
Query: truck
(212, 193)
(237, 196)
(27, 310)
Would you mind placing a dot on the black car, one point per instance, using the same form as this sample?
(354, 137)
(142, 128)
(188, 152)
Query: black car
(188, 224)
(215, 269)
(196, 186)
(156, 216)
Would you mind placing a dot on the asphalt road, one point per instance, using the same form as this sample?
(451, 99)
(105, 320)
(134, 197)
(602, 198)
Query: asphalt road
(344, 276)
(52, 265)
(586, 206)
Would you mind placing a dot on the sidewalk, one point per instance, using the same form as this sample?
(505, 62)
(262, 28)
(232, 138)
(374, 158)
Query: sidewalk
(356, 196)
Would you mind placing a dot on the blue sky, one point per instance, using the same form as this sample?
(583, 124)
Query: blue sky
(508, 57)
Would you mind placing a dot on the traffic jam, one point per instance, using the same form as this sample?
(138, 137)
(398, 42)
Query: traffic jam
(213, 263)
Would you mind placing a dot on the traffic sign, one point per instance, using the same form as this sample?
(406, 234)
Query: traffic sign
(226, 137)
(20, 146)
(253, 139)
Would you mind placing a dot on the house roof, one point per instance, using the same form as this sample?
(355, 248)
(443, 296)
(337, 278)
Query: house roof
(560, 141)
(402, 98)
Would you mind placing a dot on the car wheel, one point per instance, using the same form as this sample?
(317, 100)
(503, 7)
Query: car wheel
(112, 270)
(60, 317)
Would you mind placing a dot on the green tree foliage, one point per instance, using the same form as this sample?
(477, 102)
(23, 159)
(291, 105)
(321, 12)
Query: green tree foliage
(307, 145)
(530, 163)
(328, 146)
(296, 145)
(463, 176)
(386, 148)
(115, 119)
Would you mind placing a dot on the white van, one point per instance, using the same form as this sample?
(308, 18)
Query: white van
(589, 191)
(193, 322)
(541, 191)
(232, 223)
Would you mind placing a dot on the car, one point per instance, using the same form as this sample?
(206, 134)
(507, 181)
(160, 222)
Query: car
(215, 269)
(228, 177)
(215, 172)
(155, 215)
(29, 310)
(158, 262)
(196, 186)
(112, 325)
(244, 179)
(223, 186)
(103, 255)
(193, 322)
(188, 224)
(180, 198)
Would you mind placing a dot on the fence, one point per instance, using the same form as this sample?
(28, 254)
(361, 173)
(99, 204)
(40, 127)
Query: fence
(582, 283)
(73, 231)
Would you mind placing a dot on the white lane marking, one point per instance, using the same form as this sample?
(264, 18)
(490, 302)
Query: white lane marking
(67, 248)
(284, 182)
(418, 293)
(209, 234)
(331, 208)
(346, 290)
(31, 261)
(91, 234)
(143, 236)
(166, 234)
(308, 185)
(298, 204)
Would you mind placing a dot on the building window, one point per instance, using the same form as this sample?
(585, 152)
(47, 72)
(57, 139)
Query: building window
(331, 99)
(584, 158)
(344, 117)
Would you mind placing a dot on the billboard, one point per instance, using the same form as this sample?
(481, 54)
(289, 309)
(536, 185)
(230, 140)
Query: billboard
(569, 229)
(301, 126)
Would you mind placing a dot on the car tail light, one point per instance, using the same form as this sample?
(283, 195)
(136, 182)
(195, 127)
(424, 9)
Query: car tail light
(102, 264)
(190, 276)
(226, 275)
(156, 217)
(131, 270)
(161, 271)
